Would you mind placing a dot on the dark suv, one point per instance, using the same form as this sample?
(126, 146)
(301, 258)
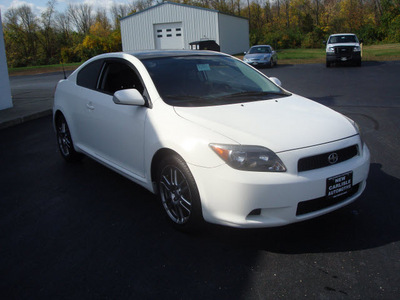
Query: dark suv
(343, 47)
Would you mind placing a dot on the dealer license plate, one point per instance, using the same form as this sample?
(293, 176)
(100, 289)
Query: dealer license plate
(339, 185)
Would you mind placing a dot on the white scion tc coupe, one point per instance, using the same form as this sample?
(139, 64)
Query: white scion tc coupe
(216, 139)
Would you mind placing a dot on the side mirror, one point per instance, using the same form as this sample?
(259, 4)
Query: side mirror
(244, 52)
(128, 97)
(276, 81)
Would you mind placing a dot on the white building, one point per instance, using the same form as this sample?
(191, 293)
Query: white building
(5, 91)
(171, 25)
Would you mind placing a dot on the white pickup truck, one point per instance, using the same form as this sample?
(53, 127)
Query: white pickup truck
(343, 47)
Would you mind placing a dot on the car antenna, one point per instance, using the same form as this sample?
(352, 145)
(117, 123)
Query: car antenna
(65, 76)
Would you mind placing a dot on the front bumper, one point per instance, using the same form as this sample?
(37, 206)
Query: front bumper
(262, 199)
(258, 63)
(345, 57)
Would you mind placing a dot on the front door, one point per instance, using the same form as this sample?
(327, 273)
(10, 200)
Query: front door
(117, 131)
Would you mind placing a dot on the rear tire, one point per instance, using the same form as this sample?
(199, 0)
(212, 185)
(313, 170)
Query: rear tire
(64, 140)
(179, 194)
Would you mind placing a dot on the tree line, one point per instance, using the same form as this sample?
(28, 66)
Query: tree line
(81, 32)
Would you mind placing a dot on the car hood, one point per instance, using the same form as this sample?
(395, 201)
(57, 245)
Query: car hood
(344, 45)
(281, 124)
(256, 55)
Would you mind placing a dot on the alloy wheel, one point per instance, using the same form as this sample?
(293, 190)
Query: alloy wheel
(175, 194)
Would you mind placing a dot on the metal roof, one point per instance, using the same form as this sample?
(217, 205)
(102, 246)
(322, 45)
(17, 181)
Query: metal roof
(180, 4)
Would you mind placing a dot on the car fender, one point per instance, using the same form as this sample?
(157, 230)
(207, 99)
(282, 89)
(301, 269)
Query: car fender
(187, 139)
(64, 88)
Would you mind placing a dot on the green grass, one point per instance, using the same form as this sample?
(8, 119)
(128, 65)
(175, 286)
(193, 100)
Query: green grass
(301, 54)
(42, 69)
(382, 52)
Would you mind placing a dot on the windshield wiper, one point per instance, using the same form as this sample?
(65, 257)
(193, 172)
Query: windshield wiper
(255, 94)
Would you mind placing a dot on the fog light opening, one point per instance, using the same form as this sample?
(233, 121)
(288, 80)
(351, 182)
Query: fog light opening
(255, 212)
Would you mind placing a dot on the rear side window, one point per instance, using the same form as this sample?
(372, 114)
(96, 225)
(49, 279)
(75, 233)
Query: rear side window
(87, 77)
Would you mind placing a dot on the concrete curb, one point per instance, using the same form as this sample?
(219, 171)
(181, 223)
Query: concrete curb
(26, 118)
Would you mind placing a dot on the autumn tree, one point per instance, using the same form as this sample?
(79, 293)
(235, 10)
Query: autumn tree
(20, 34)
(81, 16)
(47, 33)
(101, 39)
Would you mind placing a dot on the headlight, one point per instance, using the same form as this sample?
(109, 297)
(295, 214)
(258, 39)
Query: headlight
(357, 49)
(249, 158)
(330, 49)
(266, 57)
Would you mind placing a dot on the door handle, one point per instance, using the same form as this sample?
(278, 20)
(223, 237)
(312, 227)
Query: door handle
(90, 106)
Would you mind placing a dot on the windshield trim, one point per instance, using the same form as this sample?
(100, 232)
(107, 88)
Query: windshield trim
(343, 36)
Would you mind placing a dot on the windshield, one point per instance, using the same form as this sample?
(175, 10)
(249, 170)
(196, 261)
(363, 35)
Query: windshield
(254, 50)
(343, 39)
(208, 80)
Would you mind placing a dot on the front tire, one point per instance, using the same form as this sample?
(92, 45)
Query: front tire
(179, 194)
(64, 141)
(328, 64)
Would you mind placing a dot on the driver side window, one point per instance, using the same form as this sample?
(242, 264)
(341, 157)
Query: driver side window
(117, 76)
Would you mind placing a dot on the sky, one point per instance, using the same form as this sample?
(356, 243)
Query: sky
(39, 5)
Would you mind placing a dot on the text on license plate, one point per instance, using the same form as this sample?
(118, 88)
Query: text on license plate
(339, 185)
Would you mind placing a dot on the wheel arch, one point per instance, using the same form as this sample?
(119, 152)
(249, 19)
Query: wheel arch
(56, 115)
(155, 162)
(196, 219)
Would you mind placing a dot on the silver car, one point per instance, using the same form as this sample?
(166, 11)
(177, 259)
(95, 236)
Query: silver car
(261, 55)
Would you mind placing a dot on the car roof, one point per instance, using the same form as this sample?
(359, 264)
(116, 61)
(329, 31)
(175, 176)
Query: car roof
(147, 54)
(336, 34)
(260, 46)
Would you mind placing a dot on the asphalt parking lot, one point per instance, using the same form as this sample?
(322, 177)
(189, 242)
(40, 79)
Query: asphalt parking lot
(73, 231)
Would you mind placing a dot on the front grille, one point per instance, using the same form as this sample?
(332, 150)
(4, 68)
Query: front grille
(322, 160)
(309, 206)
(344, 50)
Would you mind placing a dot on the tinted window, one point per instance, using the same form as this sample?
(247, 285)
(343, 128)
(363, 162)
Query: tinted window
(87, 77)
(208, 80)
(260, 50)
(119, 76)
(343, 39)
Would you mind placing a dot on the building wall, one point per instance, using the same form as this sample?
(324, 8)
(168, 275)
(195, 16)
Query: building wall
(5, 91)
(233, 33)
(138, 33)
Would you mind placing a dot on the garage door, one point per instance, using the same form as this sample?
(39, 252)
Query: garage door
(168, 36)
